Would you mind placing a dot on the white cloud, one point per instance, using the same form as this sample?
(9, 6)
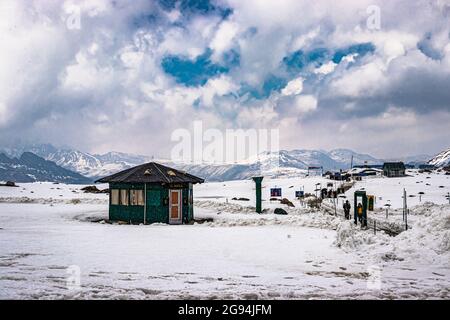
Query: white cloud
(174, 15)
(293, 87)
(305, 103)
(263, 116)
(326, 68)
(115, 65)
(363, 80)
(393, 49)
(217, 87)
(304, 40)
(349, 58)
(86, 74)
(223, 38)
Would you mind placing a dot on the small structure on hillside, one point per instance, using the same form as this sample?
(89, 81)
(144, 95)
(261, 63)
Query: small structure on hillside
(317, 170)
(151, 193)
(426, 166)
(394, 169)
(364, 172)
(373, 166)
(9, 184)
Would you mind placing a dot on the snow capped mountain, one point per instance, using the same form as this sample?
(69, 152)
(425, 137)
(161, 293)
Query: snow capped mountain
(441, 160)
(74, 160)
(93, 166)
(316, 158)
(344, 157)
(30, 168)
(283, 158)
(121, 158)
(282, 164)
(415, 160)
(332, 160)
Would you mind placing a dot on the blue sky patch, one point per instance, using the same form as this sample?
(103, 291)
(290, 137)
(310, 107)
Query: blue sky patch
(231, 58)
(361, 49)
(192, 72)
(298, 60)
(427, 49)
(202, 7)
(271, 84)
(246, 89)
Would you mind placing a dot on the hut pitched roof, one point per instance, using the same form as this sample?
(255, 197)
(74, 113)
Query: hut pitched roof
(394, 166)
(151, 172)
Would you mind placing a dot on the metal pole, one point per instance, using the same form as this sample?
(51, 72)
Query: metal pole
(374, 226)
(335, 209)
(404, 204)
(145, 204)
(406, 221)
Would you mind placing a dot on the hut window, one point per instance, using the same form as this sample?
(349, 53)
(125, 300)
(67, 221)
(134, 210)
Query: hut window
(114, 196)
(137, 197)
(124, 197)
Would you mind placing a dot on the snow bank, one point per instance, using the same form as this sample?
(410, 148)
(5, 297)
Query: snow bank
(350, 236)
(53, 200)
(428, 239)
(431, 231)
(230, 215)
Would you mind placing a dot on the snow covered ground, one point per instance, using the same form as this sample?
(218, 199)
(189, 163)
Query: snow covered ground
(387, 190)
(235, 253)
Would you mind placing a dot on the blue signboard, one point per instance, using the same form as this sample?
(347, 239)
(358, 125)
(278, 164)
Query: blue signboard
(299, 194)
(275, 192)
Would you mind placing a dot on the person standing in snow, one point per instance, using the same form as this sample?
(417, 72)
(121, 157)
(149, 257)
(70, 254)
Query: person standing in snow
(347, 209)
(359, 210)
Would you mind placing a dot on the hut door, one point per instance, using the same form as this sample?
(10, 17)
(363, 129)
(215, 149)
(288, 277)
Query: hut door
(175, 206)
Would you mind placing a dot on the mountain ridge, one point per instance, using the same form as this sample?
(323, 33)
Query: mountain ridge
(442, 159)
(293, 162)
(31, 168)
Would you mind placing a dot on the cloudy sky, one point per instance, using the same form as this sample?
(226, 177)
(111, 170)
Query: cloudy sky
(119, 75)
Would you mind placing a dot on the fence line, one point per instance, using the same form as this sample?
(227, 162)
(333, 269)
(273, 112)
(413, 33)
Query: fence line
(390, 227)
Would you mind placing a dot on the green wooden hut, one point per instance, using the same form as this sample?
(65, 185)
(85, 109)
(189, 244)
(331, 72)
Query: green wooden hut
(151, 193)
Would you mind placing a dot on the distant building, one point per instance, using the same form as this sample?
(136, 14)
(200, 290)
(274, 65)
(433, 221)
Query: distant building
(427, 167)
(364, 172)
(373, 166)
(394, 169)
(151, 193)
(447, 170)
(336, 175)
